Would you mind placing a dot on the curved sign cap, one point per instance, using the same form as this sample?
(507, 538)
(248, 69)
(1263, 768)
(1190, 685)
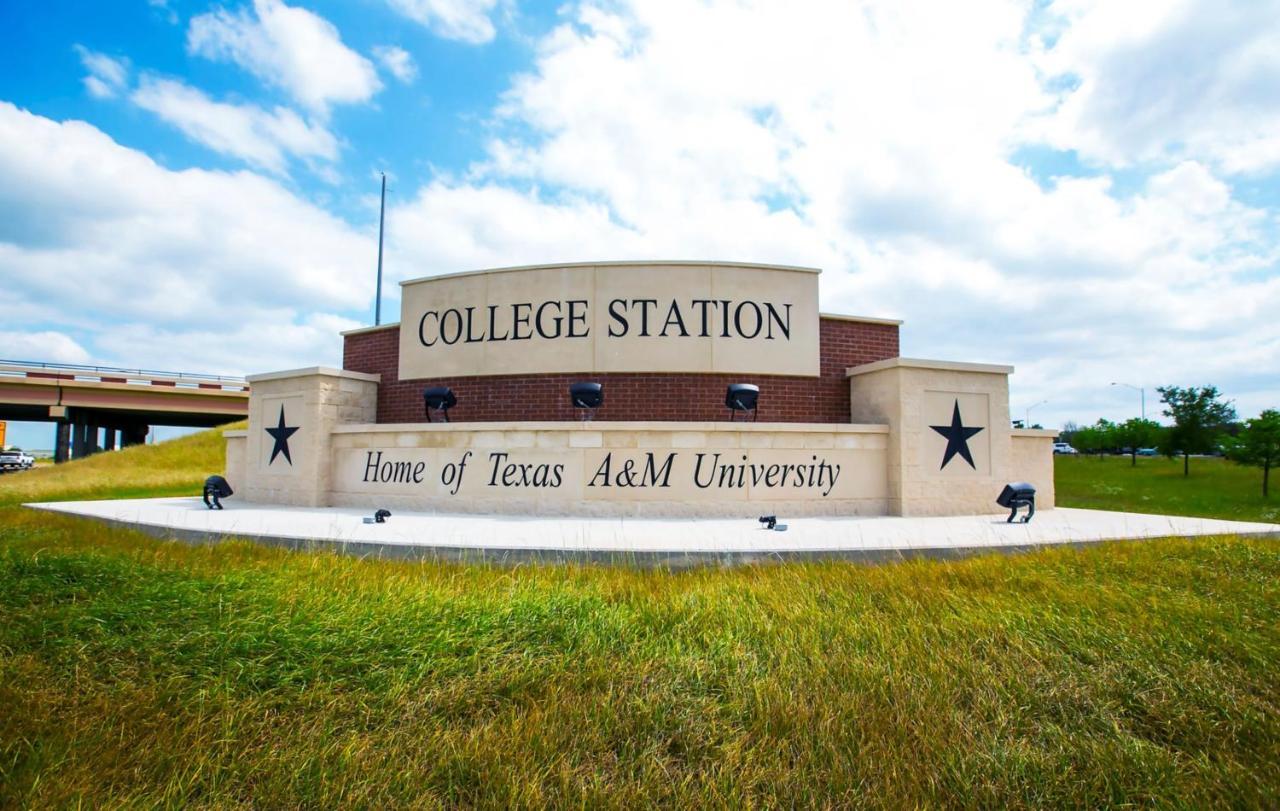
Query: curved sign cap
(618, 317)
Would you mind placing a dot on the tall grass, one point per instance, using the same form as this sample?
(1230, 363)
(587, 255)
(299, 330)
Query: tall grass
(137, 672)
(141, 673)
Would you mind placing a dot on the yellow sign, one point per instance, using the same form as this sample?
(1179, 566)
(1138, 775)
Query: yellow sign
(3, 426)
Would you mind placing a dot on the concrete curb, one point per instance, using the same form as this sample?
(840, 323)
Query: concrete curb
(650, 559)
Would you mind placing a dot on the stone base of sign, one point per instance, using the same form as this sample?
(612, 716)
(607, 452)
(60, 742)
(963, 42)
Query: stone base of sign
(615, 469)
(313, 401)
(920, 399)
(926, 438)
(600, 469)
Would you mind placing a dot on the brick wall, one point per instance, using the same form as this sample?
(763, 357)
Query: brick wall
(638, 396)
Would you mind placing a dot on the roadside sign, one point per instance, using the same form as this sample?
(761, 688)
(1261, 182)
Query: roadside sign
(3, 426)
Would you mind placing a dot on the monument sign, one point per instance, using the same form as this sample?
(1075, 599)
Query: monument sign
(915, 437)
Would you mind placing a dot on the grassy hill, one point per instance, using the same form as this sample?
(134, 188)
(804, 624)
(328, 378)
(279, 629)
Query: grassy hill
(176, 467)
(138, 672)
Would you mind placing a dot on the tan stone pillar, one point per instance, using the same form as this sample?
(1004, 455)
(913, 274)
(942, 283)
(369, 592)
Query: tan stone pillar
(950, 439)
(287, 448)
(1033, 462)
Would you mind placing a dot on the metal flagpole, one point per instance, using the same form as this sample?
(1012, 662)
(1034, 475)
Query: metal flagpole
(382, 214)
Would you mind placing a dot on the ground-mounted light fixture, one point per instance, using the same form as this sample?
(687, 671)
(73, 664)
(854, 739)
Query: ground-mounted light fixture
(1015, 496)
(587, 397)
(215, 489)
(742, 397)
(438, 398)
(379, 517)
(770, 522)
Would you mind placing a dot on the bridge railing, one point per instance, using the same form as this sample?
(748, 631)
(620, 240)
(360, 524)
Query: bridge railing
(113, 374)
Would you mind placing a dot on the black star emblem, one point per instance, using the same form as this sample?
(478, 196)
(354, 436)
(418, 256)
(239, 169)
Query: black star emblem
(281, 435)
(957, 438)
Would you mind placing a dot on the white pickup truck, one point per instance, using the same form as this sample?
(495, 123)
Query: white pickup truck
(15, 460)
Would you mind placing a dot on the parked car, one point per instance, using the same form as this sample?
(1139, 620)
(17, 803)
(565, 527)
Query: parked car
(1063, 447)
(16, 460)
(1147, 452)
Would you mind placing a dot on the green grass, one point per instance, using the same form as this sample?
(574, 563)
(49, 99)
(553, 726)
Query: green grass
(173, 468)
(141, 673)
(1216, 488)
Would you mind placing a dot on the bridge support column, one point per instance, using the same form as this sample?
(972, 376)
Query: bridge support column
(108, 438)
(92, 445)
(61, 442)
(133, 435)
(79, 437)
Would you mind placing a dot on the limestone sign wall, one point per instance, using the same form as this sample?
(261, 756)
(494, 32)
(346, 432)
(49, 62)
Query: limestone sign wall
(614, 468)
(931, 438)
(651, 317)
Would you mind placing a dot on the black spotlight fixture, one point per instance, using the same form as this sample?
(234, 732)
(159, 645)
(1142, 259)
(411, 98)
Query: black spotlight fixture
(215, 489)
(379, 517)
(770, 522)
(439, 398)
(1016, 495)
(742, 397)
(586, 396)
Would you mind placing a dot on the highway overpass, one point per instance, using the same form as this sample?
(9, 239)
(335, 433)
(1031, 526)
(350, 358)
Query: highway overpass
(97, 407)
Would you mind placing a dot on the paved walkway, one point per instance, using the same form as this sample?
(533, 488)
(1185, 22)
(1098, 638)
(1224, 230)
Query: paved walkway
(672, 542)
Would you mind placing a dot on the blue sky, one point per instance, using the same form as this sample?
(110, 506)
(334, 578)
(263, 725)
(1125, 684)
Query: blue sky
(1087, 190)
(436, 121)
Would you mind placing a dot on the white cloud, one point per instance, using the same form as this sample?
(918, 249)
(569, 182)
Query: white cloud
(288, 47)
(259, 137)
(465, 20)
(46, 346)
(398, 61)
(153, 267)
(163, 8)
(880, 141)
(107, 78)
(447, 228)
(295, 341)
(1169, 80)
(876, 141)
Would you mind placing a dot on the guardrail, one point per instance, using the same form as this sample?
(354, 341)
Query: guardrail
(113, 374)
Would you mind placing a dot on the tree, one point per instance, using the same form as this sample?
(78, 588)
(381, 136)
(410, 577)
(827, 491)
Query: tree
(1095, 438)
(1068, 432)
(1258, 444)
(1198, 418)
(1137, 433)
(1085, 439)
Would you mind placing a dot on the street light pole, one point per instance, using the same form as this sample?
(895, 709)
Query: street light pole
(1141, 391)
(1027, 422)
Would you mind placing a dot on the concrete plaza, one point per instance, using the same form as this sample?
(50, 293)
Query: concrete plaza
(639, 541)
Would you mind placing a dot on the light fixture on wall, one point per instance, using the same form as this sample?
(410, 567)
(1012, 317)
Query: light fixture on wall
(439, 398)
(587, 397)
(742, 397)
